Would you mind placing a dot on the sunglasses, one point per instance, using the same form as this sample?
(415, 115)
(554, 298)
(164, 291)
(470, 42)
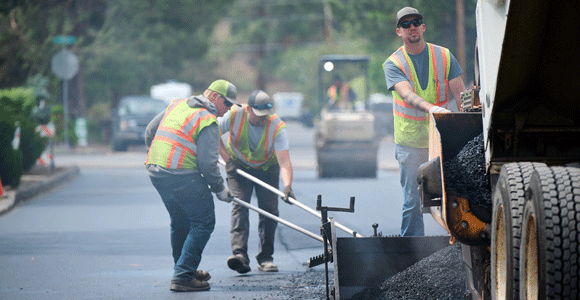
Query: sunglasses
(415, 22)
(263, 106)
(226, 102)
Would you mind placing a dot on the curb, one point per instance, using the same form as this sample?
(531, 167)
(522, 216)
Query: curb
(11, 198)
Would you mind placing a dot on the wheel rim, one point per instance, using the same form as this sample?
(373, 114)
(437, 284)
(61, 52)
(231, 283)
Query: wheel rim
(500, 265)
(530, 276)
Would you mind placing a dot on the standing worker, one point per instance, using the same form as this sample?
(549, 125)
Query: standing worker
(257, 144)
(184, 143)
(420, 76)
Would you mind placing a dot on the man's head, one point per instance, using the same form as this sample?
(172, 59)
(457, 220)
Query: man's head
(410, 25)
(222, 94)
(261, 105)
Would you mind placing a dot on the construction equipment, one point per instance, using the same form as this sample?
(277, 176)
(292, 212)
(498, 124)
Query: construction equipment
(290, 199)
(359, 262)
(522, 241)
(345, 139)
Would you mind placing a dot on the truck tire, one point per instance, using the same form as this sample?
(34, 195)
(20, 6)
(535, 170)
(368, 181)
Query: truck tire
(549, 265)
(508, 207)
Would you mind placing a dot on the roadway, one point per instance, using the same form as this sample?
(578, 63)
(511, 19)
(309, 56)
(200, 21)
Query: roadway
(105, 235)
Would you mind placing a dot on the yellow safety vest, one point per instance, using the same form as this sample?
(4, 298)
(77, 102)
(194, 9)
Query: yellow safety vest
(411, 125)
(239, 145)
(174, 144)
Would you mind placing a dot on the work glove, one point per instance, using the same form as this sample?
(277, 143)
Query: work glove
(288, 193)
(231, 166)
(438, 109)
(225, 195)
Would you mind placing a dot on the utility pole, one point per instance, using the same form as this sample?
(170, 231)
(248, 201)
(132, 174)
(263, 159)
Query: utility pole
(261, 80)
(327, 22)
(459, 11)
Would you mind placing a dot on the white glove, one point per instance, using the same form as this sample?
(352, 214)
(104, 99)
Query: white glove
(438, 109)
(225, 195)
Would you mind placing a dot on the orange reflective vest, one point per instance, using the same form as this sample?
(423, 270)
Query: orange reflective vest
(174, 144)
(411, 125)
(238, 146)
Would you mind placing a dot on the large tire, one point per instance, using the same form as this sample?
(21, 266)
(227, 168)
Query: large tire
(549, 265)
(508, 207)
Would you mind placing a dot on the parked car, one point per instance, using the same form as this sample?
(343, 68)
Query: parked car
(131, 118)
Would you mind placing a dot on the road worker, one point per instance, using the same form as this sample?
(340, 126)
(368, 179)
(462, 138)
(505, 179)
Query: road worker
(420, 75)
(340, 95)
(184, 143)
(257, 144)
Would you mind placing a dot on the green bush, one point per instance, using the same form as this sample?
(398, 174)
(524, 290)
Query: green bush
(57, 117)
(16, 109)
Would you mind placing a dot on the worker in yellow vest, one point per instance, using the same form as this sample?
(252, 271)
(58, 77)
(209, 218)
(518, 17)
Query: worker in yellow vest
(340, 95)
(257, 144)
(184, 143)
(421, 77)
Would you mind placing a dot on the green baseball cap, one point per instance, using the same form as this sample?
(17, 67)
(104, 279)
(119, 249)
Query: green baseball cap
(226, 89)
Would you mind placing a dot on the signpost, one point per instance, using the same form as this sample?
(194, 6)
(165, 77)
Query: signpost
(65, 66)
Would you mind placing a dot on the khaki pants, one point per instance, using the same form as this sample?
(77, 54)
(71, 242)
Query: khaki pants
(242, 188)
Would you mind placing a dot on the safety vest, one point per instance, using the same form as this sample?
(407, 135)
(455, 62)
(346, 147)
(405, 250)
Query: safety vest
(411, 125)
(344, 94)
(239, 144)
(174, 144)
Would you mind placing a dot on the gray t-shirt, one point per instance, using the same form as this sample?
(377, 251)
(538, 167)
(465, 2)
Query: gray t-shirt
(394, 75)
(255, 134)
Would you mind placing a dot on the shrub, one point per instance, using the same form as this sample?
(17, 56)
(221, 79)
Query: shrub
(16, 107)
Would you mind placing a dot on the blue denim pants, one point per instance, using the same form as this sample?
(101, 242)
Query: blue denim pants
(410, 159)
(191, 211)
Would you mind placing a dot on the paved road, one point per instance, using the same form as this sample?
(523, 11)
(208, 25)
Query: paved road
(105, 235)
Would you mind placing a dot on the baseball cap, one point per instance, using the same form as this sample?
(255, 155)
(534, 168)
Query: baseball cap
(261, 103)
(407, 11)
(226, 89)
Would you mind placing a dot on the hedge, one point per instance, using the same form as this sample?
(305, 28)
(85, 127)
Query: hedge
(16, 109)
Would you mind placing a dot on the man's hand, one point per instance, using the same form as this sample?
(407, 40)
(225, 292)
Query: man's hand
(288, 194)
(231, 166)
(225, 195)
(438, 109)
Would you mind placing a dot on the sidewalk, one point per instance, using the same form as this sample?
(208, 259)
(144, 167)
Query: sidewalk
(37, 181)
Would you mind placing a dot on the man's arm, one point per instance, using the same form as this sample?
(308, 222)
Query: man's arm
(151, 129)
(457, 86)
(404, 89)
(286, 171)
(207, 143)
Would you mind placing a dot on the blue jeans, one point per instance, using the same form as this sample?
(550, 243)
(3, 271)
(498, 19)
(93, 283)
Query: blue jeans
(410, 159)
(191, 210)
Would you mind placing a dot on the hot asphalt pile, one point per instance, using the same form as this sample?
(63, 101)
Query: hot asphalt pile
(465, 174)
(439, 276)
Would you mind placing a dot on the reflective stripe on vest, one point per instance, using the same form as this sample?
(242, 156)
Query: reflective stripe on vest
(411, 125)
(239, 145)
(174, 144)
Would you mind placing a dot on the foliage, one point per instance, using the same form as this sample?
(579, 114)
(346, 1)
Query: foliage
(57, 118)
(16, 107)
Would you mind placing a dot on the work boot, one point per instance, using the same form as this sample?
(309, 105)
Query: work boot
(268, 266)
(239, 263)
(184, 285)
(202, 275)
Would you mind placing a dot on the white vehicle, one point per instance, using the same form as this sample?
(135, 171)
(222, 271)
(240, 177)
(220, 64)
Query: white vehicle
(171, 90)
(288, 105)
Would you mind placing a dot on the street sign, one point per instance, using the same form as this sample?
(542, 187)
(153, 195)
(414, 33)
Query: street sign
(64, 39)
(65, 64)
